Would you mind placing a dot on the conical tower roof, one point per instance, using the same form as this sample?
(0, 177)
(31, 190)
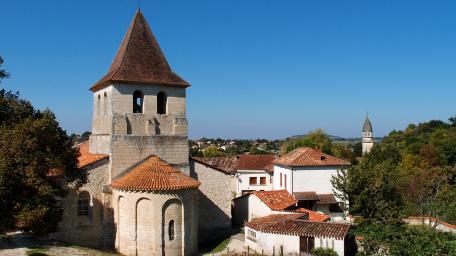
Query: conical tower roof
(367, 127)
(140, 60)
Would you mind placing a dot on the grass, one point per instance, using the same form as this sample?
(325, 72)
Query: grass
(222, 246)
(37, 251)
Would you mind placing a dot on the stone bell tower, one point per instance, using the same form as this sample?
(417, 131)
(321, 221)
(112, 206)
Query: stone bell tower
(139, 106)
(368, 138)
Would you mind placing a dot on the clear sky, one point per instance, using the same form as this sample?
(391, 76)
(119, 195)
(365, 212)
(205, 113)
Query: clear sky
(258, 68)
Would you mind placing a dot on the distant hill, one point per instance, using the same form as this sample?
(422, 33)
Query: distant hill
(336, 138)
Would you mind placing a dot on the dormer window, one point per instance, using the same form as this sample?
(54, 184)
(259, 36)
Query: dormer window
(138, 102)
(161, 103)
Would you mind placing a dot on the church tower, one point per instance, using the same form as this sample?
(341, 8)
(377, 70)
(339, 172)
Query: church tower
(368, 138)
(139, 106)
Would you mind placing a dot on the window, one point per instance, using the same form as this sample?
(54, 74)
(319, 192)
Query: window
(171, 230)
(335, 207)
(83, 203)
(285, 180)
(281, 180)
(161, 103)
(262, 180)
(253, 180)
(138, 100)
(251, 235)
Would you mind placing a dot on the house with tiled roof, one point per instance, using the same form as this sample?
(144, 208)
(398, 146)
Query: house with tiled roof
(139, 198)
(306, 173)
(252, 172)
(294, 234)
(259, 204)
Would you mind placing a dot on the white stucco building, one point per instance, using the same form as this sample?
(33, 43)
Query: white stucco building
(259, 204)
(293, 234)
(252, 172)
(306, 173)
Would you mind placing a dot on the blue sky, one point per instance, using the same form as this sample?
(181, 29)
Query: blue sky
(258, 68)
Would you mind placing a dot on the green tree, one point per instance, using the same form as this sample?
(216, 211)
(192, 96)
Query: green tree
(315, 139)
(3, 73)
(85, 136)
(372, 186)
(324, 252)
(36, 161)
(212, 151)
(403, 240)
(255, 151)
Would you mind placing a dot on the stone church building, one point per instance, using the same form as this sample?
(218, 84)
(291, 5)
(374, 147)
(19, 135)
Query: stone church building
(140, 198)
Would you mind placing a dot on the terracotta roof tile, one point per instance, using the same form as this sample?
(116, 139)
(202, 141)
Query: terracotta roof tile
(290, 224)
(326, 199)
(313, 215)
(302, 157)
(225, 164)
(153, 174)
(231, 164)
(140, 60)
(306, 196)
(269, 168)
(85, 158)
(277, 199)
(254, 162)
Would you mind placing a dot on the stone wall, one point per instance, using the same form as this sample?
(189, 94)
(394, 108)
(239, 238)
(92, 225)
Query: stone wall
(92, 230)
(142, 222)
(128, 150)
(214, 198)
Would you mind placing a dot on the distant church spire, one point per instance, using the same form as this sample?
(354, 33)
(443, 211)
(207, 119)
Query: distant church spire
(368, 138)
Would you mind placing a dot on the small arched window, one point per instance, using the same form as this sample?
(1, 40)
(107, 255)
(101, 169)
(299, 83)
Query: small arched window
(83, 203)
(138, 100)
(171, 230)
(161, 103)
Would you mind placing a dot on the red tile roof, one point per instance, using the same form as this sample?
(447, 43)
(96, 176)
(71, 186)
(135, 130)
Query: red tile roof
(224, 164)
(313, 215)
(254, 162)
(140, 60)
(231, 164)
(306, 196)
(153, 174)
(85, 158)
(269, 168)
(302, 157)
(326, 199)
(277, 200)
(290, 224)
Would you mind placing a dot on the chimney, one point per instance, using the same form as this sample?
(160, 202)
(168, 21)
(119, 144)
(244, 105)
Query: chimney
(317, 154)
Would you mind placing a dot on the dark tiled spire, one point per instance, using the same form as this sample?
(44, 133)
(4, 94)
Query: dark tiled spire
(140, 60)
(367, 127)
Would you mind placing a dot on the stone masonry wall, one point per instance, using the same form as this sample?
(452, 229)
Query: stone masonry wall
(214, 198)
(161, 207)
(88, 230)
(128, 150)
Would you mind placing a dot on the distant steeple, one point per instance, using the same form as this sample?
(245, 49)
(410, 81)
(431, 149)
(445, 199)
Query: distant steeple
(367, 127)
(368, 138)
(140, 60)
